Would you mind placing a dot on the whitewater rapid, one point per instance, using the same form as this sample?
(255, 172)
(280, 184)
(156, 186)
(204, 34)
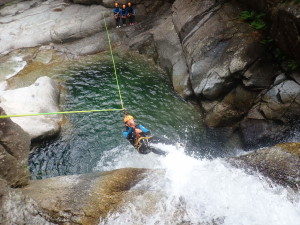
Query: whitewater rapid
(200, 191)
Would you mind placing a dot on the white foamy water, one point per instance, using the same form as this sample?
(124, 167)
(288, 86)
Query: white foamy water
(201, 191)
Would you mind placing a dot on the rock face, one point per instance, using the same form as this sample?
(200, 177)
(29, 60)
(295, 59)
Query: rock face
(18, 209)
(224, 64)
(285, 24)
(35, 23)
(40, 97)
(280, 105)
(208, 52)
(281, 163)
(14, 151)
(82, 199)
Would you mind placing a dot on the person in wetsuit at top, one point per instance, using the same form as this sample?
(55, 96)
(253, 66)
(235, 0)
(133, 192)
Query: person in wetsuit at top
(130, 14)
(140, 138)
(117, 14)
(124, 14)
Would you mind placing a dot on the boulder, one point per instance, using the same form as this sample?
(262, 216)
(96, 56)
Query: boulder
(280, 163)
(83, 199)
(232, 108)
(274, 116)
(282, 102)
(260, 75)
(14, 151)
(40, 97)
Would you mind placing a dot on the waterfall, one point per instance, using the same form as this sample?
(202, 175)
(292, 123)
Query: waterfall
(201, 191)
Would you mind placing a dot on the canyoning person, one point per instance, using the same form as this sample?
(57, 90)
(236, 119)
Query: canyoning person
(124, 14)
(117, 14)
(140, 138)
(130, 13)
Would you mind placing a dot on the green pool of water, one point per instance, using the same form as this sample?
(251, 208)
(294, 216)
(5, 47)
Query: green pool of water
(147, 95)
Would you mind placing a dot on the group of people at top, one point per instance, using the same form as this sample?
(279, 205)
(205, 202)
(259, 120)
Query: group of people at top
(124, 13)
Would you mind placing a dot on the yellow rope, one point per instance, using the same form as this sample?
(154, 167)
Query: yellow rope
(83, 111)
(113, 60)
(66, 112)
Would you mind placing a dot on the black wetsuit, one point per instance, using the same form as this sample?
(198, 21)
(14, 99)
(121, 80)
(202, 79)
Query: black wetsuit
(130, 12)
(142, 144)
(124, 15)
(117, 12)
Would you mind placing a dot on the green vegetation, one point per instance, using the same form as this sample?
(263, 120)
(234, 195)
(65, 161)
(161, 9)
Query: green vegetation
(256, 20)
(292, 65)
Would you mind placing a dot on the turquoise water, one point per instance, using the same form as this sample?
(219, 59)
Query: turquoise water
(147, 95)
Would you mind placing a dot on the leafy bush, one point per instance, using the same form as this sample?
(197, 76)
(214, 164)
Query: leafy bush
(254, 19)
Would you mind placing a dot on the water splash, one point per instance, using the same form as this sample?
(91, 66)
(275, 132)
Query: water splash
(202, 191)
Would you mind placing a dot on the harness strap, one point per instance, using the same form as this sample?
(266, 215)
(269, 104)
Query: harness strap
(137, 143)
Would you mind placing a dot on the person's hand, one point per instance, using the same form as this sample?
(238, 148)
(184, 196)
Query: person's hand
(138, 131)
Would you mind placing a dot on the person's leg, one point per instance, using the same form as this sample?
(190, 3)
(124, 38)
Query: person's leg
(130, 19)
(118, 21)
(158, 151)
(143, 147)
(162, 140)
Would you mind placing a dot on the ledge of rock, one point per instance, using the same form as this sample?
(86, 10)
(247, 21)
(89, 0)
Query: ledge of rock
(83, 199)
(40, 97)
(280, 163)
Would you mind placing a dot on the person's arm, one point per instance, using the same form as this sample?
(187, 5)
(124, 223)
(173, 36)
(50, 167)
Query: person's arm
(144, 130)
(128, 132)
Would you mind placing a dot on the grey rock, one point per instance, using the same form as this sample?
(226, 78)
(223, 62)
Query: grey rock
(295, 76)
(18, 209)
(52, 21)
(257, 132)
(260, 75)
(231, 109)
(217, 49)
(270, 119)
(280, 78)
(40, 97)
(171, 57)
(14, 151)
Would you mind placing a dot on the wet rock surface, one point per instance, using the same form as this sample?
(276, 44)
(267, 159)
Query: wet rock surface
(280, 163)
(83, 199)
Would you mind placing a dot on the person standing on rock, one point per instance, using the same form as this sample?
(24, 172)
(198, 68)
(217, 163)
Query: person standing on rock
(124, 14)
(130, 14)
(139, 137)
(117, 14)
